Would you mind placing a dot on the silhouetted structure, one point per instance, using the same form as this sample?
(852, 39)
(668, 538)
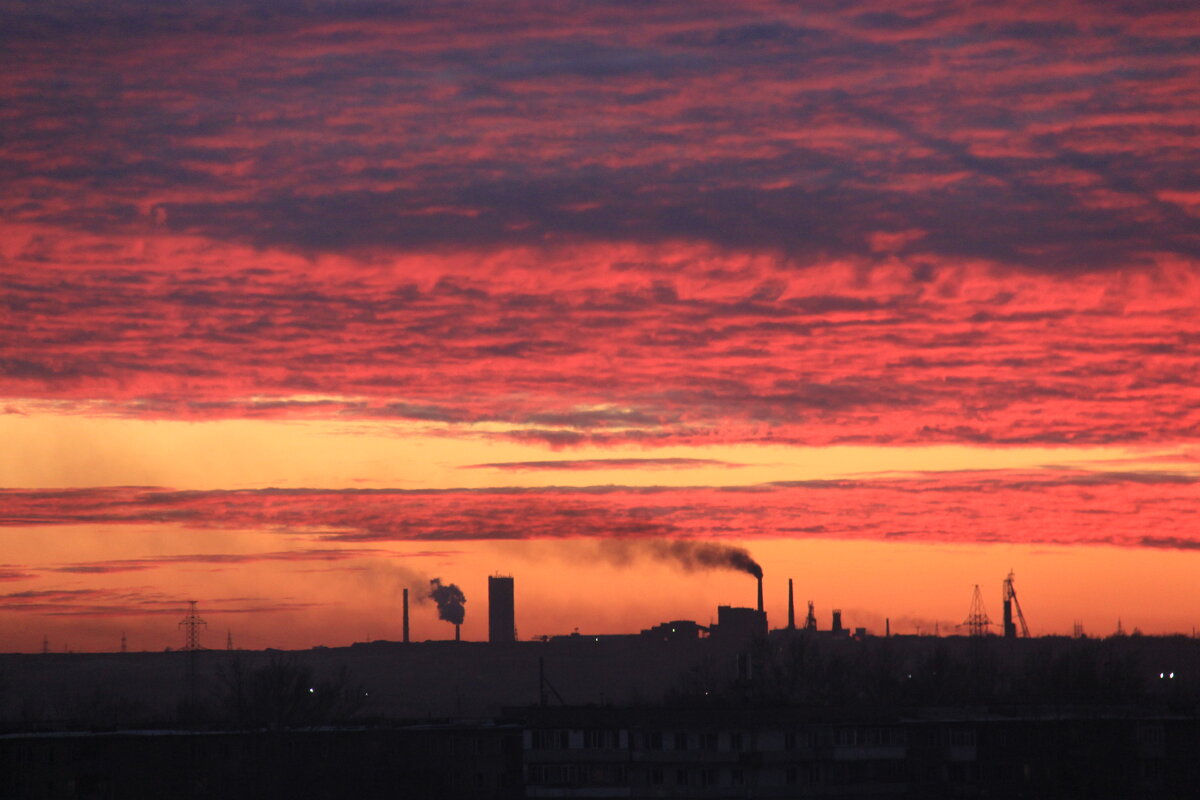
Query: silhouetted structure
(191, 625)
(1010, 599)
(674, 631)
(810, 622)
(406, 616)
(837, 622)
(501, 609)
(977, 621)
(447, 761)
(450, 603)
(739, 626)
(791, 607)
(788, 753)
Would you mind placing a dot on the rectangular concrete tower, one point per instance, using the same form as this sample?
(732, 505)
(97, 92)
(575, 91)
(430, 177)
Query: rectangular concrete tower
(501, 614)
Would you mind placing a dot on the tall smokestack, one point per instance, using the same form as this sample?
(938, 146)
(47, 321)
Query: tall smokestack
(456, 633)
(450, 600)
(791, 608)
(406, 616)
(760, 603)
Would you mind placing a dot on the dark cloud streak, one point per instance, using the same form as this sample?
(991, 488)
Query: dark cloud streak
(1052, 505)
(607, 463)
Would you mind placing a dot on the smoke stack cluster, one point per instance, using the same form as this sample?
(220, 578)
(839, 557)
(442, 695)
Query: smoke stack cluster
(450, 600)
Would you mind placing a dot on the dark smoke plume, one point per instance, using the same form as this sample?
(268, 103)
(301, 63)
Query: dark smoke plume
(449, 599)
(690, 555)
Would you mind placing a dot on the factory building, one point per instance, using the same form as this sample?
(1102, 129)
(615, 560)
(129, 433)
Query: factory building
(678, 630)
(739, 626)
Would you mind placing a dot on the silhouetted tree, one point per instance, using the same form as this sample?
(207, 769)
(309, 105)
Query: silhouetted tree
(284, 694)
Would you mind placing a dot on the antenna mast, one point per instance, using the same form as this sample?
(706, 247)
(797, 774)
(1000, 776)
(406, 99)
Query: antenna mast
(977, 621)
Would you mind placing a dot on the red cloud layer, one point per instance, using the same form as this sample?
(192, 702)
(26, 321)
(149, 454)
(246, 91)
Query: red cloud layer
(967, 356)
(1132, 509)
(690, 222)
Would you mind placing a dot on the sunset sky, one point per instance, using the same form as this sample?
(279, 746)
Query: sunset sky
(305, 303)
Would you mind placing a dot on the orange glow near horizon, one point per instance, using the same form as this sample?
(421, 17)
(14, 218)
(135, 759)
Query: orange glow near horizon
(564, 586)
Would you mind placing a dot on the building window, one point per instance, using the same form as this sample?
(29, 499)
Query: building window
(789, 741)
(962, 738)
(681, 741)
(735, 742)
(708, 742)
(550, 740)
(655, 778)
(599, 740)
(681, 777)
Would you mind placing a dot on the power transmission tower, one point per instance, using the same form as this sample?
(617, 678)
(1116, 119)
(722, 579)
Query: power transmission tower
(228, 640)
(191, 625)
(977, 621)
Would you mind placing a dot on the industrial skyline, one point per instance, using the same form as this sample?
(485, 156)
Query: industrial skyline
(502, 620)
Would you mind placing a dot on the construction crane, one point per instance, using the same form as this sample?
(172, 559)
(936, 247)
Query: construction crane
(1010, 600)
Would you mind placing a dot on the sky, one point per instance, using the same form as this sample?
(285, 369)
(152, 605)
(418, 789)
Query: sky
(302, 304)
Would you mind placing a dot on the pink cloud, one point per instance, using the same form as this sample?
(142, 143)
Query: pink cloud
(1051, 506)
(874, 222)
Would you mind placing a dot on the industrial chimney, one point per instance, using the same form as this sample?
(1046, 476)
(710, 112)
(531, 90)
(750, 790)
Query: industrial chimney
(837, 620)
(406, 616)
(791, 608)
(760, 602)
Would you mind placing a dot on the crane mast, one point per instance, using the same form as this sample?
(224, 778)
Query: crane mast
(1011, 601)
